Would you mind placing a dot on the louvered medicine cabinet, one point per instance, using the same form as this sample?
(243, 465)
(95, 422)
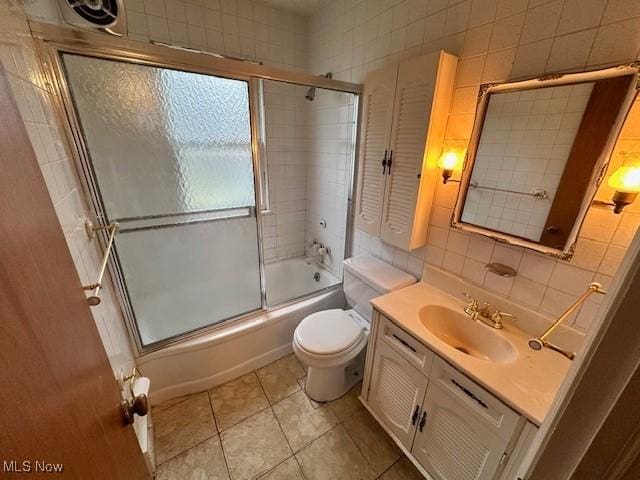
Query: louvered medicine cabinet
(405, 109)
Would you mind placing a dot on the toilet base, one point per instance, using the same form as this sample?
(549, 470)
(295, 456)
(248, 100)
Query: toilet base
(326, 384)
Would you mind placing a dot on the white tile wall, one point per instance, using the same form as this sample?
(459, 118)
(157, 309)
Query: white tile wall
(234, 27)
(496, 40)
(309, 149)
(286, 144)
(330, 133)
(18, 58)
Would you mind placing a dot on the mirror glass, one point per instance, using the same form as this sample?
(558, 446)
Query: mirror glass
(536, 156)
(525, 143)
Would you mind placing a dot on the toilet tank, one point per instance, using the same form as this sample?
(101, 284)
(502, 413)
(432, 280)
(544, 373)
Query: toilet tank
(366, 277)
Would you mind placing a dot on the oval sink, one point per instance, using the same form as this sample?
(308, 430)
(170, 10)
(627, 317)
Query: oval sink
(466, 335)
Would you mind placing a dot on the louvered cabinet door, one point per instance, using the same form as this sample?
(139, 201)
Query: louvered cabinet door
(397, 392)
(377, 112)
(454, 444)
(412, 108)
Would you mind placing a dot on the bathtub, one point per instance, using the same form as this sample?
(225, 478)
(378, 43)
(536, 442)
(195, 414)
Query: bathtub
(295, 277)
(229, 351)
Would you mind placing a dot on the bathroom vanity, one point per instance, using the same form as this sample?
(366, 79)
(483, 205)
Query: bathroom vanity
(461, 399)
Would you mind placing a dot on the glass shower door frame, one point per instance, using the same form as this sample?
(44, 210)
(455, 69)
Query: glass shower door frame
(97, 200)
(53, 41)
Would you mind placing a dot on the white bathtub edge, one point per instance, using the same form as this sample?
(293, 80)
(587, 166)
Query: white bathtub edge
(219, 378)
(214, 359)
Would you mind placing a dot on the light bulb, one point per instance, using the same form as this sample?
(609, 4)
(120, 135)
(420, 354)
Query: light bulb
(626, 182)
(448, 161)
(626, 179)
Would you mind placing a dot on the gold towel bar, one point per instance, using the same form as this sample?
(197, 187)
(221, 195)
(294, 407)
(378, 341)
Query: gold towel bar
(91, 230)
(540, 342)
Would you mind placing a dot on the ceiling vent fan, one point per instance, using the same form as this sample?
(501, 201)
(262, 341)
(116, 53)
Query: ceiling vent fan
(105, 15)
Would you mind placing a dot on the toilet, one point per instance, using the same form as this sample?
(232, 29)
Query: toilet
(332, 343)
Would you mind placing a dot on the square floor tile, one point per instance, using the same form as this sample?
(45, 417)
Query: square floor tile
(403, 469)
(254, 446)
(348, 404)
(376, 446)
(280, 378)
(204, 461)
(334, 456)
(237, 400)
(301, 422)
(182, 426)
(288, 470)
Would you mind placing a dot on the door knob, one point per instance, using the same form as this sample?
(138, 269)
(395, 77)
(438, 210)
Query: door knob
(139, 406)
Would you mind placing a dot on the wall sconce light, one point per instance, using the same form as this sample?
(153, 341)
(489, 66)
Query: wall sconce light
(626, 182)
(448, 163)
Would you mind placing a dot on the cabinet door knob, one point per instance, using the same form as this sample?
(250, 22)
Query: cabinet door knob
(414, 417)
(423, 420)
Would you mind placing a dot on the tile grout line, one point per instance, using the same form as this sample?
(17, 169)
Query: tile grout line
(216, 433)
(186, 451)
(390, 467)
(293, 454)
(357, 447)
(224, 454)
(276, 419)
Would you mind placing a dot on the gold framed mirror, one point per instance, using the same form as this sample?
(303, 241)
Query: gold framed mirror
(538, 152)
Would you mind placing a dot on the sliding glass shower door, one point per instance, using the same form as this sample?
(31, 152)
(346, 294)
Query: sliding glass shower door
(172, 163)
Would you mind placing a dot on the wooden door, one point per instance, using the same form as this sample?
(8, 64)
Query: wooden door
(397, 392)
(59, 401)
(377, 111)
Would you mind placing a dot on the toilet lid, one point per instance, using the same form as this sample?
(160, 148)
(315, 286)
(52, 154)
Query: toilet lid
(328, 332)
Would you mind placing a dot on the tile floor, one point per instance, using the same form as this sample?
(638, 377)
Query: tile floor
(263, 425)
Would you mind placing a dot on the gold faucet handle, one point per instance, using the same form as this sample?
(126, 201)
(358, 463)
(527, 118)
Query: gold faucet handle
(473, 303)
(498, 316)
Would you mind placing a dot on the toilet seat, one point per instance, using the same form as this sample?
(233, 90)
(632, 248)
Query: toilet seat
(329, 332)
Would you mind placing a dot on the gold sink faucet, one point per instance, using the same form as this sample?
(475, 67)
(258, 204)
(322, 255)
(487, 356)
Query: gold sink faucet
(483, 313)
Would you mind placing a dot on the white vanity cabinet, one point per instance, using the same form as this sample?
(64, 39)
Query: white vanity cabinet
(397, 393)
(405, 110)
(466, 430)
(449, 425)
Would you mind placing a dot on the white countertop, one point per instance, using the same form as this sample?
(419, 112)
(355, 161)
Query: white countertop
(528, 384)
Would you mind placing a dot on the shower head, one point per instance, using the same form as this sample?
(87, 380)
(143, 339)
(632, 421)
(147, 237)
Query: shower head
(311, 94)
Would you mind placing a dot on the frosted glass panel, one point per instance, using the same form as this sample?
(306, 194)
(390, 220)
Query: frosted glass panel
(185, 277)
(163, 141)
(171, 153)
